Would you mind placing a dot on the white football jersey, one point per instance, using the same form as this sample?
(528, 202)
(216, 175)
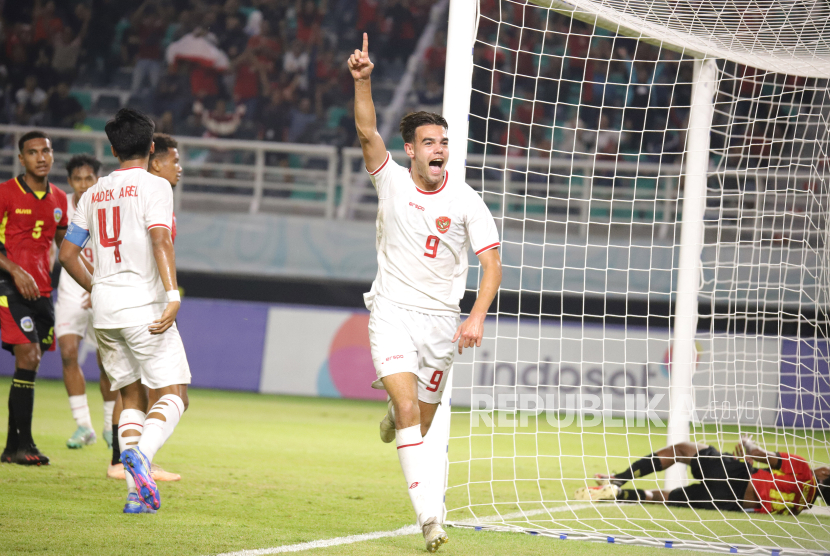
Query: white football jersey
(423, 238)
(68, 288)
(119, 212)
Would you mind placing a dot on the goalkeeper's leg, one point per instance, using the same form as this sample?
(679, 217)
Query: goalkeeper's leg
(664, 458)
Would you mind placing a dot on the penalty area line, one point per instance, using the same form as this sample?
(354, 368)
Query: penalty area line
(403, 531)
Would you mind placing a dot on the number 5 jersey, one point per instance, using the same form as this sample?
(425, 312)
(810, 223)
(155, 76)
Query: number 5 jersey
(118, 213)
(29, 222)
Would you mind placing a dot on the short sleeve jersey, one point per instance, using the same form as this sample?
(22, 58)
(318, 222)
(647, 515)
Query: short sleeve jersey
(28, 226)
(68, 288)
(118, 212)
(787, 490)
(423, 238)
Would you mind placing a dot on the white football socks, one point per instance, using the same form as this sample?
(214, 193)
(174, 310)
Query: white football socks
(157, 431)
(109, 407)
(80, 411)
(131, 420)
(411, 455)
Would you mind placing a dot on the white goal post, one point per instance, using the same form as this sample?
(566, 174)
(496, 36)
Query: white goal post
(665, 252)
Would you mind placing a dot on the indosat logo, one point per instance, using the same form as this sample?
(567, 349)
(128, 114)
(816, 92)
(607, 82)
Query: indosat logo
(665, 366)
(348, 372)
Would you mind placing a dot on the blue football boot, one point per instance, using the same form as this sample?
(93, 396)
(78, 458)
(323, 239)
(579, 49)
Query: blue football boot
(137, 465)
(134, 505)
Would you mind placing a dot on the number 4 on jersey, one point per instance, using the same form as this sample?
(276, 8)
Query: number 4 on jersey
(113, 241)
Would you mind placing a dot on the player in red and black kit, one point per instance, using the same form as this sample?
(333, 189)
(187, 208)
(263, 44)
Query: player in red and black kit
(33, 213)
(784, 484)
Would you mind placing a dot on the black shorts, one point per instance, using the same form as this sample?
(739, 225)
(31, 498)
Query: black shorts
(25, 322)
(723, 481)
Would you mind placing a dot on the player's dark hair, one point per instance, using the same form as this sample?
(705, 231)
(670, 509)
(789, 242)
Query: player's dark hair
(81, 160)
(163, 145)
(414, 120)
(130, 133)
(29, 136)
(824, 491)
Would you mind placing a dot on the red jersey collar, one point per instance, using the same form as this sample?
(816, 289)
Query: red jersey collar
(130, 168)
(443, 185)
(26, 189)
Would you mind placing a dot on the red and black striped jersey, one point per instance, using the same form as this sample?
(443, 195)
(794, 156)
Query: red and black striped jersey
(28, 226)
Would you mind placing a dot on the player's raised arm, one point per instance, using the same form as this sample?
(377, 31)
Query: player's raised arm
(374, 151)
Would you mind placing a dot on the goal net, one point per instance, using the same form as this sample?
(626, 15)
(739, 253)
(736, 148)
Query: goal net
(659, 172)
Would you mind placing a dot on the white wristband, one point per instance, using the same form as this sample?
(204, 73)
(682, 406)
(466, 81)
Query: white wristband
(174, 295)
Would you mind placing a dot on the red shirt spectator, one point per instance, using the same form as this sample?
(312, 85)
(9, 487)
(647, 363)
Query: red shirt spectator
(203, 81)
(47, 25)
(367, 13)
(248, 77)
(266, 48)
(308, 22)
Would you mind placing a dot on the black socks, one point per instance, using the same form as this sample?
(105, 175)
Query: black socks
(116, 449)
(632, 495)
(640, 468)
(11, 434)
(21, 405)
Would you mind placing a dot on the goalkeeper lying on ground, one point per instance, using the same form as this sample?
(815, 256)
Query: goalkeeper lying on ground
(784, 485)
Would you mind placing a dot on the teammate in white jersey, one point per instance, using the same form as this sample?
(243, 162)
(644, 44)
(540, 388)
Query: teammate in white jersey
(127, 218)
(73, 323)
(427, 221)
(164, 162)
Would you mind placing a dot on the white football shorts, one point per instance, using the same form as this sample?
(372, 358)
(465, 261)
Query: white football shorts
(72, 318)
(132, 354)
(406, 341)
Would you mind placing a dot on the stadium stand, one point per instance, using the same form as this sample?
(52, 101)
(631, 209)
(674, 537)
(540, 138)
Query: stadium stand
(256, 69)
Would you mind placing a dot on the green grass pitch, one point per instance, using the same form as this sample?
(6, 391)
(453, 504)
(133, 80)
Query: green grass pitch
(257, 472)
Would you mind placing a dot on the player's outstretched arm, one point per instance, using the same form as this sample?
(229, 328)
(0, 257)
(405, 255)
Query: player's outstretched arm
(71, 260)
(471, 331)
(751, 452)
(165, 257)
(365, 120)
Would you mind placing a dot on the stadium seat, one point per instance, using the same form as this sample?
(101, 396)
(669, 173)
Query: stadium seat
(80, 147)
(108, 104)
(95, 123)
(83, 97)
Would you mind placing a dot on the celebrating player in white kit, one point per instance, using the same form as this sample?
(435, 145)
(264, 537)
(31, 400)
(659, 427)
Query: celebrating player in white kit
(427, 221)
(127, 217)
(73, 322)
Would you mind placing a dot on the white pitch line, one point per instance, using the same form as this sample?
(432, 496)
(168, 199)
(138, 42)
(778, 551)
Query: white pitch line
(408, 530)
(517, 515)
(403, 531)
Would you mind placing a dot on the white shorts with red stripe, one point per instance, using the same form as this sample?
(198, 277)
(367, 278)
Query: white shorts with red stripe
(406, 341)
(132, 354)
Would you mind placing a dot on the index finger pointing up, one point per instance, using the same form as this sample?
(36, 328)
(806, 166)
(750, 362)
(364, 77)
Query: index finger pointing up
(365, 44)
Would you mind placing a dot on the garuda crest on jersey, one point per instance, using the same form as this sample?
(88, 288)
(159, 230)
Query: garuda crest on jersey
(443, 224)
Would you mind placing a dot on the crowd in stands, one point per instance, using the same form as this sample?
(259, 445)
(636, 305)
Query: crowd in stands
(545, 82)
(251, 69)
(575, 89)
(275, 70)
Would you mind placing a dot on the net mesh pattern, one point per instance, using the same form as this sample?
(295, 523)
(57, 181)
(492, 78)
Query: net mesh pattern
(775, 35)
(577, 141)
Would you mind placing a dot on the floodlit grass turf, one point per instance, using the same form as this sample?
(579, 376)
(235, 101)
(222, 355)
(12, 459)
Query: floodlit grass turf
(258, 471)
